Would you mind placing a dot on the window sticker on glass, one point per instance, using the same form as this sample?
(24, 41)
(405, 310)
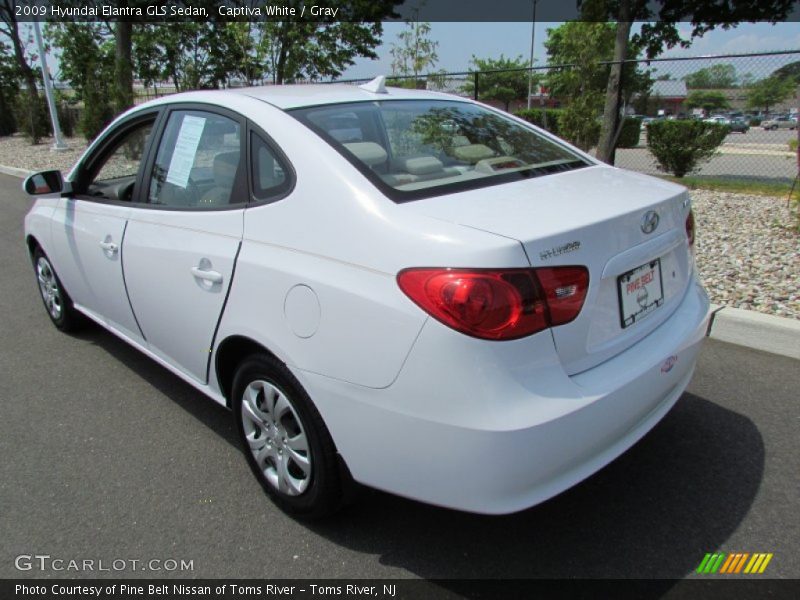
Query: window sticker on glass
(180, 167)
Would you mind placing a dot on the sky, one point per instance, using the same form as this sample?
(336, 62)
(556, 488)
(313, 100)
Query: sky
(459, 41)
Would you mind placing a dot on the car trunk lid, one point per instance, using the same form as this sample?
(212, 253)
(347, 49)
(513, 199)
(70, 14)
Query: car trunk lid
(601, 218)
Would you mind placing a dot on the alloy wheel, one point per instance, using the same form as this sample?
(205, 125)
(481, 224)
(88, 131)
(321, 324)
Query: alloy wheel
(48, 285)
(276, 437)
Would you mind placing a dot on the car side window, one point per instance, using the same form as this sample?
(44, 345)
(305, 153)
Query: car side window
(270, 174)
(198, 164)
(116, 176)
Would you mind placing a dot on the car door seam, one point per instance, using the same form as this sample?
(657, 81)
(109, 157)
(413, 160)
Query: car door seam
(222, 312)
(125, 283)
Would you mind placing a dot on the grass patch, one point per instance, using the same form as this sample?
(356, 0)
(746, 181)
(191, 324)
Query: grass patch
(742, 186)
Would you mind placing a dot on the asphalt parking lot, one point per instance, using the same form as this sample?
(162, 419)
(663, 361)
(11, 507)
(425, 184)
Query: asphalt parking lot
(106, 455)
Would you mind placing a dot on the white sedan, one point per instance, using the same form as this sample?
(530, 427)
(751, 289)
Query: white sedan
(399, 288)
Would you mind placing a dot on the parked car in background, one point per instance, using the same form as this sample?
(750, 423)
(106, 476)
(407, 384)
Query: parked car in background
(720, 119)
(399, 287)
(738, 126)
(782, 122)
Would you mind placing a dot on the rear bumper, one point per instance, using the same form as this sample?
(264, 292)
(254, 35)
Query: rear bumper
(498, 427)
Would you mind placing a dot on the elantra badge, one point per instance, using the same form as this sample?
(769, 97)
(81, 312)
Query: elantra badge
(649, 221)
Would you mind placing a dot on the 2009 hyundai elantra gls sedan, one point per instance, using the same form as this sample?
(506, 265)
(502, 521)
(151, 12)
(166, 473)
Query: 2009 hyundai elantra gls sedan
(405, 289)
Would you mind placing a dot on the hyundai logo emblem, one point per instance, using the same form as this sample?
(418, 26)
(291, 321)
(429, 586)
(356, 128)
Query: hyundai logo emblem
(650, 221)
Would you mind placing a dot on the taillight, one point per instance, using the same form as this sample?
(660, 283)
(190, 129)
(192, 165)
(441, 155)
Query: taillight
(565, 288)
(497, 304)
(690, 227)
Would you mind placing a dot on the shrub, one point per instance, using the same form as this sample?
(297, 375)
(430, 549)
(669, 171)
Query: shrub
(793, 145)
(8, 121)
(579, 124)
(630, 134)
(32, 118)
(537, 116)
(97, 112)
(680, 146)
(66, 118)
(67, 113)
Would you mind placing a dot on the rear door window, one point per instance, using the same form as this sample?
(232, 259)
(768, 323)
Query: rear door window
(199, 162)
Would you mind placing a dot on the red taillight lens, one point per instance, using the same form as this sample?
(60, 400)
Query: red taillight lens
(566, 290)
(497, 304)
(690, 228)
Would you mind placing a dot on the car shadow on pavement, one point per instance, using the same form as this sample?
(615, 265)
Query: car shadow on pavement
(215, 417)
(653, 513)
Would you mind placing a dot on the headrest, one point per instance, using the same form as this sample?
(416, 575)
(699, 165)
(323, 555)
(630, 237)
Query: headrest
(472, 153)
(423, 165)
(225, 166)
(369, 153)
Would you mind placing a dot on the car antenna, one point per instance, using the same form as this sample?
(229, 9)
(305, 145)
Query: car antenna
(376, 86)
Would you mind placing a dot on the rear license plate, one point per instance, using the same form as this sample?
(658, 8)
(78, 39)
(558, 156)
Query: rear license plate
(640, 292)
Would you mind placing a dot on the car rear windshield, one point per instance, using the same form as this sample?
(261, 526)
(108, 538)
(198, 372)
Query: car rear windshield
(414, 149)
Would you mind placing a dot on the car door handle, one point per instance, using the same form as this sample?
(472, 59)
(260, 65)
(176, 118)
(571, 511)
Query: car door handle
(210, 276)
(109, 247)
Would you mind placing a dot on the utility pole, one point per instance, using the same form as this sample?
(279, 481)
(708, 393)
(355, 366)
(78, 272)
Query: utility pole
(48, 91)
(533, 39)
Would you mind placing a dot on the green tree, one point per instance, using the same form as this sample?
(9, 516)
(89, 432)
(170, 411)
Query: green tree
(415, 52)
(87, 62)
(9, 89)
(707, 100)
(769, 92)
(191, 54)
(36, 125)
(503, 87)
(660, 30)
(680, 146)
(583, 44)
(315, 50)
(791, 70)
(720, 76)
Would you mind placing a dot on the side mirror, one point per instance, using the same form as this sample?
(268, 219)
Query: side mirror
(45, 182)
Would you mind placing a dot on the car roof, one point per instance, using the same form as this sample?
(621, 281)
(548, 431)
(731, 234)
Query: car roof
(287, 97)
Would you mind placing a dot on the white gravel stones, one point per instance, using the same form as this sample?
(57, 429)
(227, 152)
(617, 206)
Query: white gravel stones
(747, 251)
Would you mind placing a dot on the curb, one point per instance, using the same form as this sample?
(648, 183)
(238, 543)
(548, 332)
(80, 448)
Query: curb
(14, 171)
(778, 335)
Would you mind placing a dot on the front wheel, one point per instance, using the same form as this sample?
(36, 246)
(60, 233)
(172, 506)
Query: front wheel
(56, 300)
(285, 440)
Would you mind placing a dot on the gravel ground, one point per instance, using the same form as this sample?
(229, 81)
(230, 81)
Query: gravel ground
(16, 151)
(747, 253)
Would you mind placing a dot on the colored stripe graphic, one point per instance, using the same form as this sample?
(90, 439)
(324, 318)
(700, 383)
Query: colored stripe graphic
(751, 564)
(734, 563)
(765, 563)
(741, 562)
(715, 563)
(704, 563)
(732, 558)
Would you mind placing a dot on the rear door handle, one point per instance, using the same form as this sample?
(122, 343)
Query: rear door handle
(109, 246)
(210, 276)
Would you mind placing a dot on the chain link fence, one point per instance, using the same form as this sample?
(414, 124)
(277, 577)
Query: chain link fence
(756, 95)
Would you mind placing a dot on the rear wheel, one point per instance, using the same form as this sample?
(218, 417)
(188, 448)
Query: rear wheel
(285, 440)
(56, 300)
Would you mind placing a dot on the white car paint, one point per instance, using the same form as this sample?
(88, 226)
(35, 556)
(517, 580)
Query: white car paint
(413, 406)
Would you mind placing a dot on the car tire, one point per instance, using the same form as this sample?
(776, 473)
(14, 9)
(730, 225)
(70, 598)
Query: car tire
(56, 301)
(287, 445)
